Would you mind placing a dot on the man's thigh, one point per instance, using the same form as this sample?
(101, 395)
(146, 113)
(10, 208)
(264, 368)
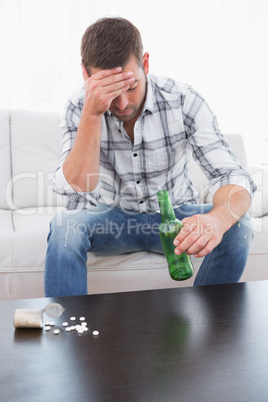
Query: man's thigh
(117, 231)
(113, 231)
(186, 210)
(110, 230)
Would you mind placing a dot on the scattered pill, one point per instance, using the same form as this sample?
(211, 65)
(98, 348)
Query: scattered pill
(95, 333)
(79, 328)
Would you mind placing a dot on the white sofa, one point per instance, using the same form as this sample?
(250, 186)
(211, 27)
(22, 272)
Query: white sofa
(29, 153)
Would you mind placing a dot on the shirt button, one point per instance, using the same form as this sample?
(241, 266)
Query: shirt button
(135, 154)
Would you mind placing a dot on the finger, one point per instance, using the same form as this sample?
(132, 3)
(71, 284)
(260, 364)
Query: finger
(100, 75)
(188, 243)
(205, 250)
(184, 232)
(113, 90)
(192, 236)
(118, 87)
(199, 244)
(117, 92)
(116, 81)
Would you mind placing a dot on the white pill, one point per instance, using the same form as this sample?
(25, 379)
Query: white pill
(80, 331)
(68, 329)
(72, 318)
(95, 332)
(82, 318)
(72, 327)
(65, 324)
(52, 323)
(56, 331)
(47, 327)
(84, 324)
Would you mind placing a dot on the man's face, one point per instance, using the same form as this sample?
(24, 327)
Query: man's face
(128, 105)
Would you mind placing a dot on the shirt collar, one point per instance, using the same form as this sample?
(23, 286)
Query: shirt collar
(149, 103)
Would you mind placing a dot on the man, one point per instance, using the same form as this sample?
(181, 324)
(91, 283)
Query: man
(126, 136)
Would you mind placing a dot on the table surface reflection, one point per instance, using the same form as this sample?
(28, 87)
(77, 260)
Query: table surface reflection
(185, 344)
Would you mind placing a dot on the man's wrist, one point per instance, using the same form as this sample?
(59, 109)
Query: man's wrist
(224, 217)
(90, 118)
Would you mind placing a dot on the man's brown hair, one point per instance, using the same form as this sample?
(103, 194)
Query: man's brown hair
(109, 43)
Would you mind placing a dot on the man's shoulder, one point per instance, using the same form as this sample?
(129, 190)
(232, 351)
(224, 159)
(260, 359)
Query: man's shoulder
(73, 109)
(168, 85)
(77, 98)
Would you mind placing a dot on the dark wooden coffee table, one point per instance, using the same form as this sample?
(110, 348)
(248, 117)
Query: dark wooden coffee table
(188, 344)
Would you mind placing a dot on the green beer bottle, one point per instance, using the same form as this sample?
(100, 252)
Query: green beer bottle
(180, 266)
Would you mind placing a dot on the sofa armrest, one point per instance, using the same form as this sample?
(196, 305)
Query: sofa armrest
(259, 206)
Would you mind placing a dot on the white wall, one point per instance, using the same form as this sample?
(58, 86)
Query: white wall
(218, 46)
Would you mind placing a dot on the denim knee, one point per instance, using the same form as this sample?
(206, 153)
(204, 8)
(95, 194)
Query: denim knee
(244, 228)
(68, 229)
(237, 240)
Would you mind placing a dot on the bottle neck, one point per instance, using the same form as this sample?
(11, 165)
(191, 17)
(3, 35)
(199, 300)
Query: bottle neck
(166, 209)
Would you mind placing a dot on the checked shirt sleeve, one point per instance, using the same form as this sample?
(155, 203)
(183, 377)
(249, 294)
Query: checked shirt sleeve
(209, 147)
(72, 199)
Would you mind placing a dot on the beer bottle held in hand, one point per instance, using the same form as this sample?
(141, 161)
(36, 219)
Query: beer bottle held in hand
(180, 266)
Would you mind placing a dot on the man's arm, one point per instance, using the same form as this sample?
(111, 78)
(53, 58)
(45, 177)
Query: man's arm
(81, 167)
(202, 233)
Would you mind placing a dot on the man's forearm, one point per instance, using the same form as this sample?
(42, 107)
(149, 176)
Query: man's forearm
(81, 167)
(203, 232)
(230, 203)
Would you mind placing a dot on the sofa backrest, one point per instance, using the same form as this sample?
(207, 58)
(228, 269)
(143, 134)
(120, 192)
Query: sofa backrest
(200, 181)
(35, 142)
(30, 145)
(5, 165)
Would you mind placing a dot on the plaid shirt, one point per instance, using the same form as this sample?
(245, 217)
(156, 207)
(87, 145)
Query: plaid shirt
(175, 122)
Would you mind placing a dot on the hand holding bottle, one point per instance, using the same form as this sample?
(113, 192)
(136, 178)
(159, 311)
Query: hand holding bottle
(199, 236)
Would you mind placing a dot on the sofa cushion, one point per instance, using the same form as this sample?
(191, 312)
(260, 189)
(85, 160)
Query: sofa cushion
(129, 272)
(35, 150)
(31, 228)
(5, 165)
(259, 244)
(6, 239)
(259, 205)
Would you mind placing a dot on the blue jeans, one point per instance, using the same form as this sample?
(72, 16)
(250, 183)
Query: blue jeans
(109, 230)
